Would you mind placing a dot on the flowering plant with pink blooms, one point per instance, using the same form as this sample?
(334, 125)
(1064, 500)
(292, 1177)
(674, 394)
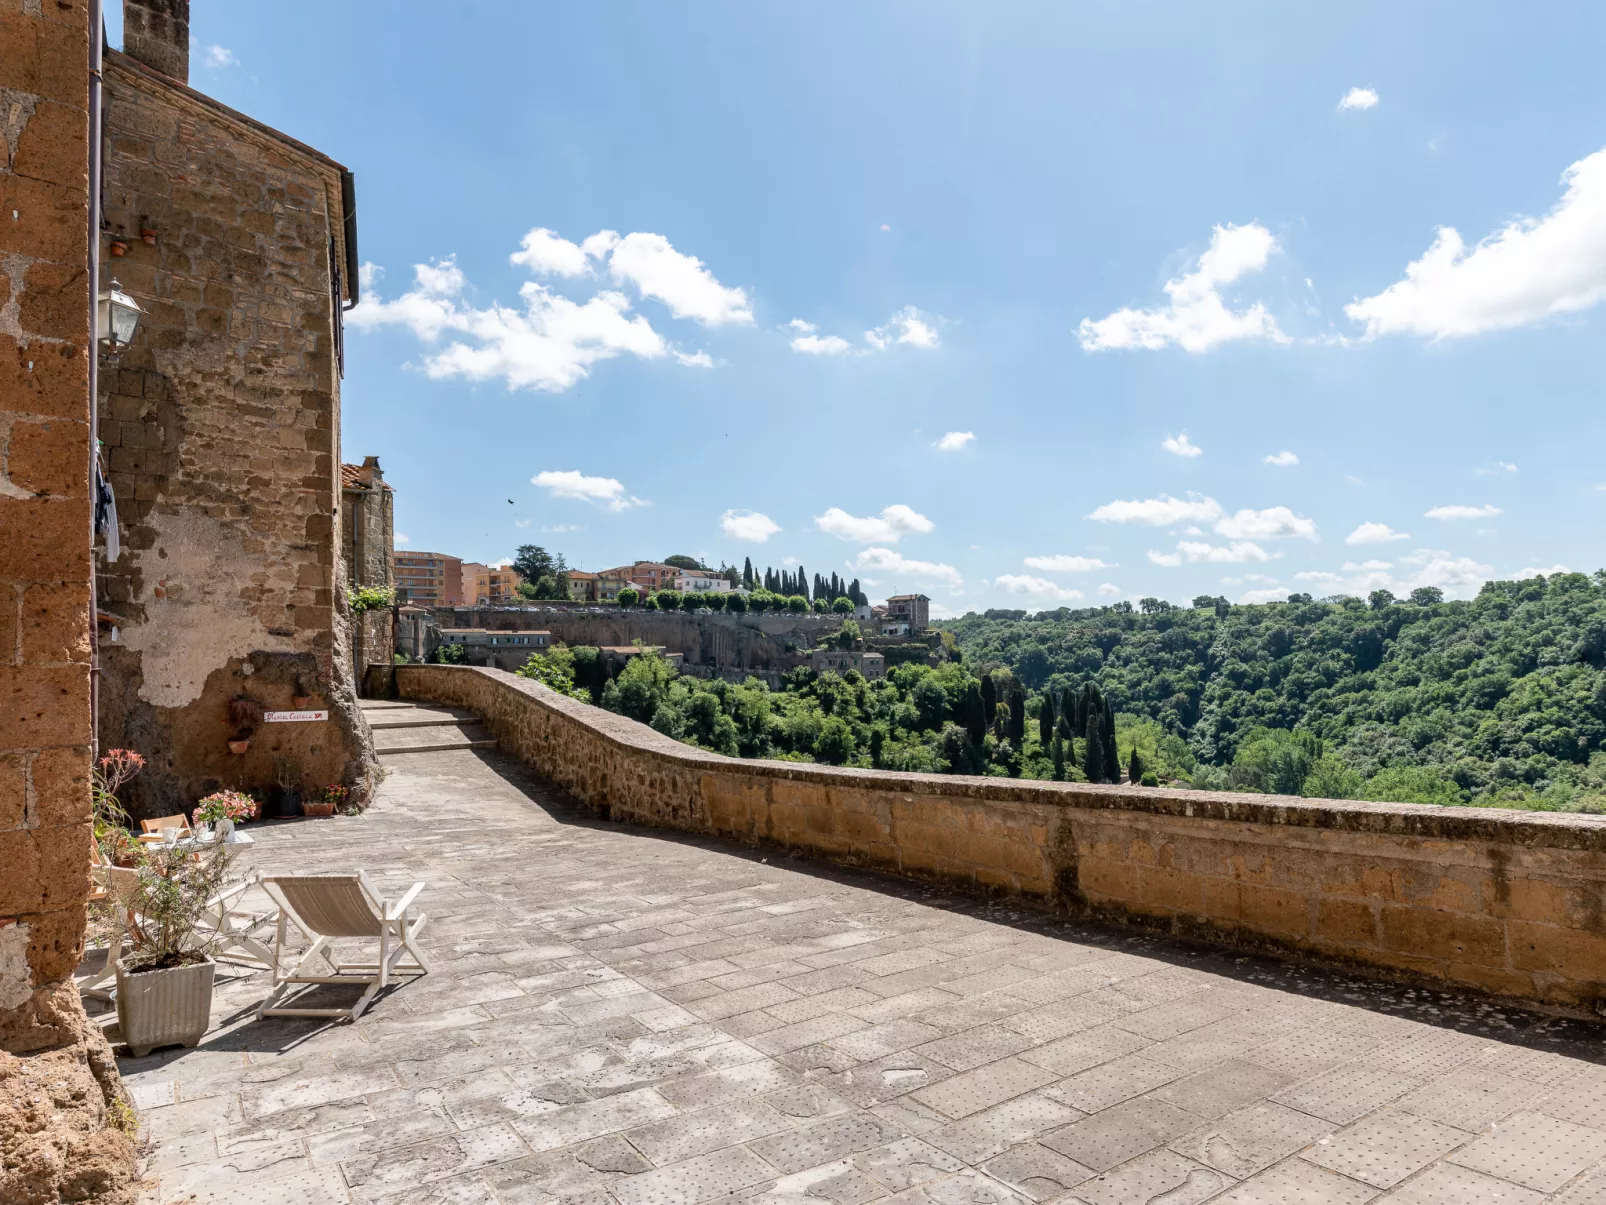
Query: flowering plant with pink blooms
(225, 805)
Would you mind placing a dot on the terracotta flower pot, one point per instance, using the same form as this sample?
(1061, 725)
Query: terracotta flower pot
(238, 747)
(300, 702)
(317, 809)
(161, 1008)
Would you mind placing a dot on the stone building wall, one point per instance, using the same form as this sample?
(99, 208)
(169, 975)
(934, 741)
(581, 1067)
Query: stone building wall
(1504, 902)
(58, 1084)
(368, 542)
(221, 425)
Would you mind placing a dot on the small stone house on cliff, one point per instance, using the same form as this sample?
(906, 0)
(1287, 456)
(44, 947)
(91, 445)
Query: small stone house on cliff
(221, 432)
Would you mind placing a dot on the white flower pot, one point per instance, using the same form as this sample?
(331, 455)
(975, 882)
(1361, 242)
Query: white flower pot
(161, 1008)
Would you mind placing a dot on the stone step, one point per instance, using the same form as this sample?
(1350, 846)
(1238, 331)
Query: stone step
(421, 718)
(442, 748)
(433, 738)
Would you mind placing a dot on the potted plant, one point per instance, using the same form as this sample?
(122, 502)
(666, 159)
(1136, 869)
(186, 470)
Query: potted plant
(164, 980)
(223, 810)
(110, 820)
(286, 800)
(245, 714)
(300, 697)
(334, 795)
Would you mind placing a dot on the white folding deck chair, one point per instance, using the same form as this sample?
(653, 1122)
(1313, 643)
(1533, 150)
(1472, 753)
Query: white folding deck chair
(236, 929)
(327, 907)
(114, 886)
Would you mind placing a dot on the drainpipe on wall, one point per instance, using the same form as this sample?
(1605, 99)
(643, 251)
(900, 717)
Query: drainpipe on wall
(97, 44)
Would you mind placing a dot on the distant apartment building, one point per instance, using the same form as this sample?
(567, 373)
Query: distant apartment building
(503, 650)
(489, 585)
(594, 587)
(430, 579)
(701, 581)
(910, 613)
(646, 575)
(870, 665)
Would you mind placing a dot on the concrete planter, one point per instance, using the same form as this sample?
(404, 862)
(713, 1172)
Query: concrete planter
(161, 1008)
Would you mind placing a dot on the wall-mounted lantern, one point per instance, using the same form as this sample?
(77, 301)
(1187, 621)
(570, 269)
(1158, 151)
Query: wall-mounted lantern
(117, 316)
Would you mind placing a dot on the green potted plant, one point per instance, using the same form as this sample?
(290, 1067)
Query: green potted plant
(286, 800)
(110, 821)
(333, 796)
(164, 980)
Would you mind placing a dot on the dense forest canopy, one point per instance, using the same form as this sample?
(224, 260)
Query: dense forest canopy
(1497, 700)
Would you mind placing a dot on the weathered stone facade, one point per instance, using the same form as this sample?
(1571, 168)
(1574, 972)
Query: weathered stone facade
(221, 425)
(368, 545)
(1504, 902)
(58, 1086)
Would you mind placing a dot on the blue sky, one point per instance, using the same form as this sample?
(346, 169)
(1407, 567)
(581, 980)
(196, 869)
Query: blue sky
(916, 219)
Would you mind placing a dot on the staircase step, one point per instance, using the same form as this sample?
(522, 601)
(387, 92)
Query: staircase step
(490, 744)
(452, 735)
(444, 719)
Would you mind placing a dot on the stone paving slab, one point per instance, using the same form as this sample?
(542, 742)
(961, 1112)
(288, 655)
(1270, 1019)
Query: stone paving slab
(623, 1017)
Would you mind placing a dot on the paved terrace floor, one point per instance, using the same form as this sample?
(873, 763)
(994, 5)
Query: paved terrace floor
(620, 1017)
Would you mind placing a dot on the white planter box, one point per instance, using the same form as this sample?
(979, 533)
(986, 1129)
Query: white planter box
(161, 1008)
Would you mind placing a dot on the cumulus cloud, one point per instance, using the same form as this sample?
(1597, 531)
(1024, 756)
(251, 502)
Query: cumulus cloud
(821, 345)
(564, 527)
(401, 537)
(1264, 594)
(1181, 445)
(748, 525)
(605, 492)
(908, 326)
(1196, 318)
(1527, 271)
(220, 56)
(1523, 574)
(890, 526)
(1463, 512)
(1108, 590)
(886, 560)
(954, 440)
(550, 341)
(1198, 552)
(1273, 523)
(1037, 587)
(1159, 512)
(1457, 576)
(1061, 563)
(1284, 459)
(1498, 469)
(1375, 533)
(1359, 98)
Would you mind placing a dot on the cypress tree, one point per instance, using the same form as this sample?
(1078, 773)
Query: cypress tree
(1058, 753)
(975, 717)
(802, 582)
(1112, 755)
(747, 572)
(1093, 760)
(989, 700)
(1134, 768)
(1017, 718)
(1045, 719)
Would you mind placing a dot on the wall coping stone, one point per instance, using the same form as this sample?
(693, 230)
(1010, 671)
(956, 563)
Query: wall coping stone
(1502, 826)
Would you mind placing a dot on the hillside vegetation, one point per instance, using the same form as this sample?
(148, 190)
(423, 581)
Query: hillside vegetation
(1497, 701)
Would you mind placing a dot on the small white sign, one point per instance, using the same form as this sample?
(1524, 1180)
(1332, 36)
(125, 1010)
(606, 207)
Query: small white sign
(293, 717)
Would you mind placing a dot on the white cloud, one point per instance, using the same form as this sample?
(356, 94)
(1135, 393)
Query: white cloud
(1283, 459)
(1359, 98)
(605, 492)
(220, 56)
(545, 252)
(1273, 523)
(560, 528)
(1197, 552)
(801, 327)
(401, 537)
(954, 440)
(1265, 595)
(1196, 318)
(748, 525)
(1498, 469)
(1180, 445)
(1159, 512)
(908, 326)
(1462, 512)
(885, 560)
(1366, 566)
(1457, 576)
(1108, 590)
(1037, 587)
(1060, 563)
(885, 228)
(696, 359)
(1319, 576)
(1532, 572)
(680, 281)
(821, 345)
(889, 527)
(1527, 271)
(1375, 533)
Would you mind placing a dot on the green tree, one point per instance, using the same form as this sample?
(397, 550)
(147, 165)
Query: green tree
(1331, 778)
(1134, 767)
(1017, 716)
(1058, 755)
(736, 603)
(668, 600)
(628, 597)
(1411, 784)
(747, 572)
(554, 668)
(989, 701)
(532, 562)
(1045, 718)
(1093, 754)
(797, 604)
(681, 561)
(835, 743)
(842, 606)
(1427, 596)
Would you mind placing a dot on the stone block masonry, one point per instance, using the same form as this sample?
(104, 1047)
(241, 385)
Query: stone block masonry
(1509, 903)
(58, 1087)
(222, 429)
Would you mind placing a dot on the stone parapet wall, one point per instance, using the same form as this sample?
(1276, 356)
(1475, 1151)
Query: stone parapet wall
(1500, 901)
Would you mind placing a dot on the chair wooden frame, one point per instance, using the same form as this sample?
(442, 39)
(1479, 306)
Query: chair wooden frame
(304, 898)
